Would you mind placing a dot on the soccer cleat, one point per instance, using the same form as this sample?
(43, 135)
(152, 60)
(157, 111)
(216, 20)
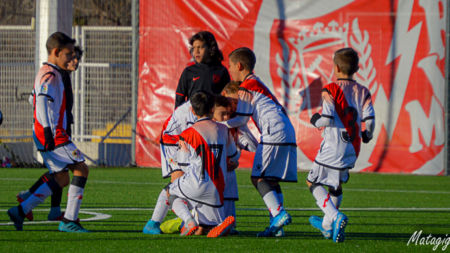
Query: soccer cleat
(14, 216)
(51, 217)
(223, 229)
(317, 223)
(280, 233)
(189, 227)
(282, 219)
(152, 228)
(20, 199)
(339, 227)
(72, 227)
(171, 226)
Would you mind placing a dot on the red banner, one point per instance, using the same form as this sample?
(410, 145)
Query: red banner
(401, 45)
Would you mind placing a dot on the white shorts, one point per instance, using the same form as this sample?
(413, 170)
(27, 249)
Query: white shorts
(275, 162)
(231, 188)
(58, 159)
(207, 215)
(203, 214)
(169, 159)
(327, 176)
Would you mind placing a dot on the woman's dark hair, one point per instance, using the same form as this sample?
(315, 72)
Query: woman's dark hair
(210, 41)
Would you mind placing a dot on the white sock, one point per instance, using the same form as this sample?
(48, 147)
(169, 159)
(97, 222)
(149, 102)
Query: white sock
(280, 198)
(337, 200)
(36, 198)
(74, 198)
(272, 202)
(180, 208)
(327, 206)
(161, 207)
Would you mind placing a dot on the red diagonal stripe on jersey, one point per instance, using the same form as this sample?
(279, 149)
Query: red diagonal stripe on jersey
(193, 138)
(340, 103)
(256, 86)
(168, 139)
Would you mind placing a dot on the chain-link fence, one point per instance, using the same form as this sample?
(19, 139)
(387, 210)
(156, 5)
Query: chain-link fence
(102, 95)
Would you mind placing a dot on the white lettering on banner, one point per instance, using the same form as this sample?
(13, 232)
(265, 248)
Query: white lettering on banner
(404, 44)
(420, 122)
(435, 25)
(435, 76)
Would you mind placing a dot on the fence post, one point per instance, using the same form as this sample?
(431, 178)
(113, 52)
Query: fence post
(134, 76)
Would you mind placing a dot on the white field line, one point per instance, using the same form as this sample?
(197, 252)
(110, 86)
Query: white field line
(97, 216)
(102, 216)
(246, 186)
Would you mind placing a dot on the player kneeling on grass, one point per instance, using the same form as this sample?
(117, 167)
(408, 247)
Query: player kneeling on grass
(244, 140)
(203, 149)
(55, 210)
(276, 155)
(345, 105)
(51, 139)
(181, 119)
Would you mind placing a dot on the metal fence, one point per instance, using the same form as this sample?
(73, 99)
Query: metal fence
(102, 94)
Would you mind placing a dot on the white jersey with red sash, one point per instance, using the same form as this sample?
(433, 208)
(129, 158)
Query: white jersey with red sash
(181, 119)
(49, 83)
(348, 104)
(204, 148)
(256, 100)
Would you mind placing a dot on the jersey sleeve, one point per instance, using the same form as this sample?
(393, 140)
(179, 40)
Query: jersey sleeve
(48, 86)
(368, 112)
(244, 107)
(182, 89)
(232, 152)
(328, 108)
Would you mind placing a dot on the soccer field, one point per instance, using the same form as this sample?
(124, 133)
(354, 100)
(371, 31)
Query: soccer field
(384, 211)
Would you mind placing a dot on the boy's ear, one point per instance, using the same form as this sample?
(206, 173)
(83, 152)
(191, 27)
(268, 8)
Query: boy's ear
(56, 52)
(338, 70)
(223, 93)
(240, 66)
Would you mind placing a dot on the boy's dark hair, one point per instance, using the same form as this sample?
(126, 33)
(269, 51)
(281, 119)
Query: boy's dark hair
(221, 101)
(210, 41)
(245, 56)
(79, 51)
(232, 87)
(347, 59)
(202, 102)
(58, 40)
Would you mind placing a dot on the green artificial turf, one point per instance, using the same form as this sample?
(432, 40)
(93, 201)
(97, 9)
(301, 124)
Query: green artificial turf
(128, 194)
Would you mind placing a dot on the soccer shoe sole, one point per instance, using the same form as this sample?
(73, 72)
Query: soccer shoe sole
(29, 215)
(223, 229)
(316, 222)
(189, 228)
(18, 221)
(71, 227)
(339, 228)
(171, 226)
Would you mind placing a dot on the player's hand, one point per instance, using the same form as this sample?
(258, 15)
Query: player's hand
(315, 118)
(49, 141)
(365, 136)
(232, 166)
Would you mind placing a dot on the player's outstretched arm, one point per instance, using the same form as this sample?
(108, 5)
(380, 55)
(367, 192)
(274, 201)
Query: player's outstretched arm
(246, 140)
(30, 98)
(318, 120)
